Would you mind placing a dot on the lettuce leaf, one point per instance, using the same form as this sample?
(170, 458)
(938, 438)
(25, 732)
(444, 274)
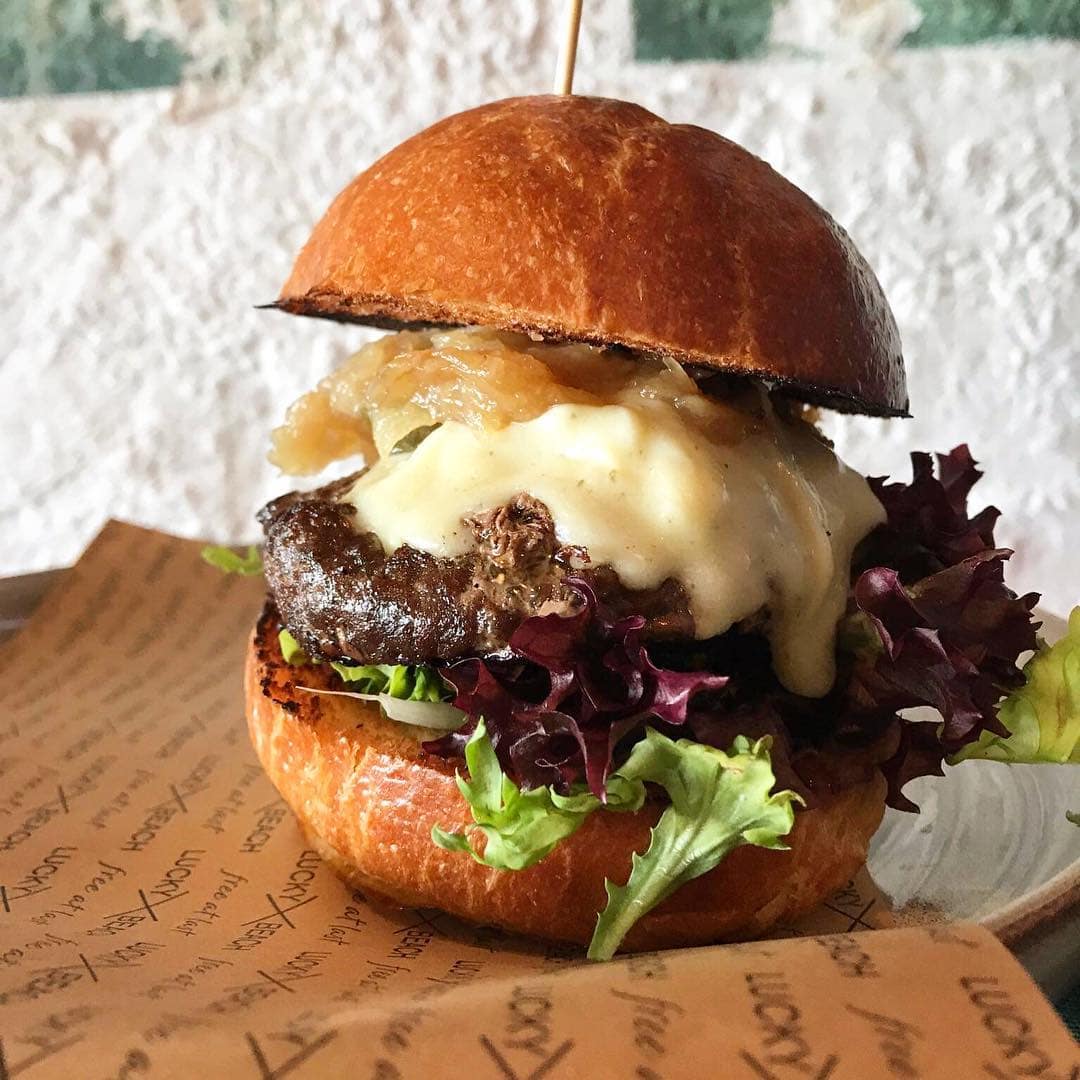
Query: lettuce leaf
(521, 827)
(574, 687)
(1041, 718)
(409, 682)
(949, 641)
(718, 802)
(931, 622)
(230, 562)
(402, 682)
(291, 652)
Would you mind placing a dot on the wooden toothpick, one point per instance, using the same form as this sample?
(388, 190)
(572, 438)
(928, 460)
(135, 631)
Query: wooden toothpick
(564, 73)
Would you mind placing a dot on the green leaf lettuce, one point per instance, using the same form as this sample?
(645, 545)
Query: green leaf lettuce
(1043, 715)
(230, 562)
(718, 802)
(290, 650)
(521, 827)
(407, 682)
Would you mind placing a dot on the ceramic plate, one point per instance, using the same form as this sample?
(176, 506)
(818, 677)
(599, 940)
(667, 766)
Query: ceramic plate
(991, 844)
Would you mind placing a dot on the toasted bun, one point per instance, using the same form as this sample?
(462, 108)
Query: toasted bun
(368, 796)
(594, 220)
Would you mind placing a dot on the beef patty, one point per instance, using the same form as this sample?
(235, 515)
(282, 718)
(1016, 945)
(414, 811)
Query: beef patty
(343, 597)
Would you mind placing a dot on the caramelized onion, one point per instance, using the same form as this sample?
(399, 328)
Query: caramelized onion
(479, 377)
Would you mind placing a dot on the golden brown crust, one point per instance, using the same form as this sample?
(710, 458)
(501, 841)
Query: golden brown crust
(368, 796)
(594, 220)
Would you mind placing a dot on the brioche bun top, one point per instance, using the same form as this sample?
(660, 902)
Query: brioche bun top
(591, 219)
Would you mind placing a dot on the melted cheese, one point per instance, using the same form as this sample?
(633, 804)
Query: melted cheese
(768, 521)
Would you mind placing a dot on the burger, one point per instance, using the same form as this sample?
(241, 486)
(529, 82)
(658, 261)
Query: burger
(603, 643)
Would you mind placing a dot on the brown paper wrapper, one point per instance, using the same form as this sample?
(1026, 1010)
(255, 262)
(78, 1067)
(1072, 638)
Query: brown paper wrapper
(161, 914)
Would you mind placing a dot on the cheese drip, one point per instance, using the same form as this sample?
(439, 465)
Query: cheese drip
(767, 520)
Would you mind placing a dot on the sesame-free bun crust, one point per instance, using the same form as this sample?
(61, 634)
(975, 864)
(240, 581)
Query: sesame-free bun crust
(368, 796)
(594, 220)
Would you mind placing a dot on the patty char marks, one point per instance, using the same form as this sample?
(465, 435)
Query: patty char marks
(345, 598)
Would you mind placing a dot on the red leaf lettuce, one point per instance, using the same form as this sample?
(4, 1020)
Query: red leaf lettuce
(572, 689)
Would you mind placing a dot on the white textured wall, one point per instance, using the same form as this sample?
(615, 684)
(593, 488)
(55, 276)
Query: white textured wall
(139, 230)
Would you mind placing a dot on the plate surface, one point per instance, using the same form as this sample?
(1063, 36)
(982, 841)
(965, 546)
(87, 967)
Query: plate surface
(991, 844)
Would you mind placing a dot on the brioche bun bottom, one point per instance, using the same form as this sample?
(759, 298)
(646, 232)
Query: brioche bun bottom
(367, 796)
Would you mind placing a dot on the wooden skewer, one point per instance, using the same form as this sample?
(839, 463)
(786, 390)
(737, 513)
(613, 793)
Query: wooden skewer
(564, 73)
